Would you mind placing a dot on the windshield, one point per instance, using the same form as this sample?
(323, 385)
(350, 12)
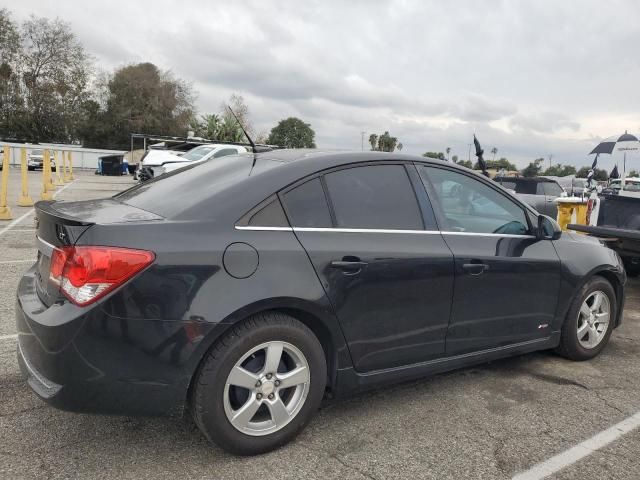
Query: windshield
(198, 152)
(629, 185)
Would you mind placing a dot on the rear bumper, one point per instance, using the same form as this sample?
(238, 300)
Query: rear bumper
(84, 360)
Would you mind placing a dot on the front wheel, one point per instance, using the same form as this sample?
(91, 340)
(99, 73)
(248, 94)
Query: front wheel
(260, 384)
(589, 323)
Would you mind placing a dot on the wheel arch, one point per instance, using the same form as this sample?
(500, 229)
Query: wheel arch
(618, 286)
(614, 277)
(320, 321)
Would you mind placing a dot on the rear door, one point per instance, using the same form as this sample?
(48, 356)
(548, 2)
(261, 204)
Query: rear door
(386, 269)
(506, 280)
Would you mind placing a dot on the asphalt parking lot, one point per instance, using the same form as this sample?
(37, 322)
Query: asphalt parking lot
(490, 421)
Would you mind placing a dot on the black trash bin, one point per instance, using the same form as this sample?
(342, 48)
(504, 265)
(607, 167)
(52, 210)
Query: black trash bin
(111, 164)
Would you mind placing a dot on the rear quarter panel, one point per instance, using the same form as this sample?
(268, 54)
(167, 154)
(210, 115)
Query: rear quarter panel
(188, 296)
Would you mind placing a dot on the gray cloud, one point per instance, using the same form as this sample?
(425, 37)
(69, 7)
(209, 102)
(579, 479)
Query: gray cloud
(530, 77)
(545, 122)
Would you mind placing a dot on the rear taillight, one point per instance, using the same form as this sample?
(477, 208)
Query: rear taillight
(86, 274)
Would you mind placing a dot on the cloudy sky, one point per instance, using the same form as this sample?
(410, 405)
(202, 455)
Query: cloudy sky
(532, 78)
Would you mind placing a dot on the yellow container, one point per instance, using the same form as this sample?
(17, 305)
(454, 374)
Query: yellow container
(572, 210)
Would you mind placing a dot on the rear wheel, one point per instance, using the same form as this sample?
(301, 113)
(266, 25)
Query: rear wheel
(589, 323)
(260, 384)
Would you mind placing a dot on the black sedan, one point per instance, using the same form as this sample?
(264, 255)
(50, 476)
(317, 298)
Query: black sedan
(244, 291)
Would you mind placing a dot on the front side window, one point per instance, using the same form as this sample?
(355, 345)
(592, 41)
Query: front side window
(374, 196)
(307, 205)
(224, 152)
(468, 205)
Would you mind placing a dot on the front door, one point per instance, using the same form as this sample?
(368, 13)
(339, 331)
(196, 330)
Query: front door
(387, 271)
(506, 280)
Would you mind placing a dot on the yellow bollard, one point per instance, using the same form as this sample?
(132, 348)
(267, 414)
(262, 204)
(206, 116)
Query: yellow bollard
(70, 158)
(65, 169)
(24, 200)
(58, 182)
(49, 175)
(5, 211)
(46, 177)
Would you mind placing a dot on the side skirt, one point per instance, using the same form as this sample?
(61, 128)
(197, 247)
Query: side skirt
(349, 381)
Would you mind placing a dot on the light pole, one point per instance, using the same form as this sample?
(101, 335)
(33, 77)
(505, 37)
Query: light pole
(362, 140)
(469, 155)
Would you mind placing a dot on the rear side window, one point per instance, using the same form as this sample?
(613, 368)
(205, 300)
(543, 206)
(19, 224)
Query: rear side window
(526, 188)
(374, 196)
(269, 215)
(224, 152)
(307, 205)
(552, 189)
(509, 184)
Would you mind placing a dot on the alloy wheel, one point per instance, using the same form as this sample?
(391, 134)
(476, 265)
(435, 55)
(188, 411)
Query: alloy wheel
(266, 388)
(593, 319)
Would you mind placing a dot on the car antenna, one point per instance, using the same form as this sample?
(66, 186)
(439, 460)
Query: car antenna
(253, 145)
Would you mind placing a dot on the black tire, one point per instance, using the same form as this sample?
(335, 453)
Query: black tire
(209, 387)
(570, 346)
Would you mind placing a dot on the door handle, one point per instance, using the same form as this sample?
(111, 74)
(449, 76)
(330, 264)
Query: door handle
(350, 265)
(475, 268)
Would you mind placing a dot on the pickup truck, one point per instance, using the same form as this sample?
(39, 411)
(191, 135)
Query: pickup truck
(539, 192)
(615, 219)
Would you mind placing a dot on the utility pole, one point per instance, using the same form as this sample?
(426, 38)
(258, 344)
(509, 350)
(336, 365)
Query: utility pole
(550, 157)
(362, 134)
(469, 156)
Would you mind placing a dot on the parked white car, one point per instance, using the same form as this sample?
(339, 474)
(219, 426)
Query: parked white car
(162, 161)
(36, 160)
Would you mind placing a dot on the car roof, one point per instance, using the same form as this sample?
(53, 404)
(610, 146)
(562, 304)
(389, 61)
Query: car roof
(242, 181)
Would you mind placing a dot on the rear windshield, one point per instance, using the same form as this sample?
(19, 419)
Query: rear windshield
(178, 191)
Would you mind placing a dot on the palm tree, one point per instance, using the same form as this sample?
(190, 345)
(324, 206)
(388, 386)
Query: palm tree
(373, 140)
(448, 150)
(494, 150)
(399, 147)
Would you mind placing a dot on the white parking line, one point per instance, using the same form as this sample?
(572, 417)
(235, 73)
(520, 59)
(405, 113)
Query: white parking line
(6, 262)
(21, 218)
(9, 337)
(574, 454)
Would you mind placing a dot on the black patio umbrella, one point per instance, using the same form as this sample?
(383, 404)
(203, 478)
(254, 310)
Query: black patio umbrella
(621, 143)
(614, 173)
(479, 153)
